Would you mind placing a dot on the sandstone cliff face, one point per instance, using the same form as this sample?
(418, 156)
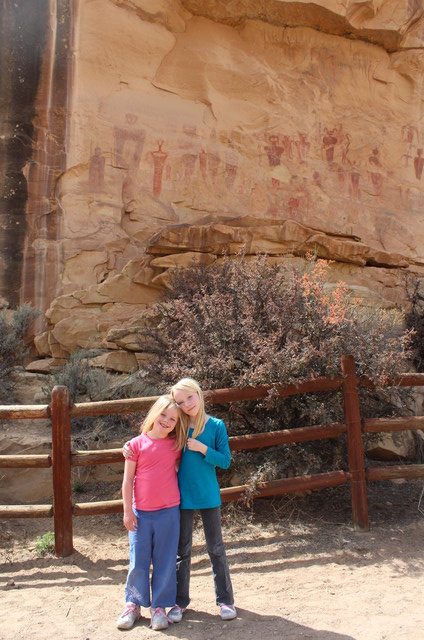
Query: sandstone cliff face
(170, 131)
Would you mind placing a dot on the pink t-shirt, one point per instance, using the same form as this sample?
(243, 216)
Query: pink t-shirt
(155, 480)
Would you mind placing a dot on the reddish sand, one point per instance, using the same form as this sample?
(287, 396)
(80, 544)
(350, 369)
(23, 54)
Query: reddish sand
(298, 570)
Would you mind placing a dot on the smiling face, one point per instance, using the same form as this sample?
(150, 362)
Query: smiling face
(165, 423)
(188, 401)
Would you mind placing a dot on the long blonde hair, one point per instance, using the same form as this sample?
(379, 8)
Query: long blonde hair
(161, 404)
(191, 386)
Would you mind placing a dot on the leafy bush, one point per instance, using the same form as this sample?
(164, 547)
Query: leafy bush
(45, 544)
(250, 322)
(78, 486)
(15, 327)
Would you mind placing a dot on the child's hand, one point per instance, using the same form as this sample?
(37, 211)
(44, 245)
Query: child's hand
(130, 521)
(127, 452)
(195, 445)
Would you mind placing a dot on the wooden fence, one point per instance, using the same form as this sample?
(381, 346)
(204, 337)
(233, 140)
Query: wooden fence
(62, 458)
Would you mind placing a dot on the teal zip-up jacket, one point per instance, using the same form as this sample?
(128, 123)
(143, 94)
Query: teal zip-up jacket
(199, 488)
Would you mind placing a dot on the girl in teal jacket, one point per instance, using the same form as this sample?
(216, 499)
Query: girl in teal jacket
(207, 447)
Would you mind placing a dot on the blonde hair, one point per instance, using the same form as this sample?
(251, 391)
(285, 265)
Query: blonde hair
(161, 404)
(191, 386)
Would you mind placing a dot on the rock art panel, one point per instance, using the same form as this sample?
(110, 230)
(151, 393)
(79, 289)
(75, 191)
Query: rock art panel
(282, 126)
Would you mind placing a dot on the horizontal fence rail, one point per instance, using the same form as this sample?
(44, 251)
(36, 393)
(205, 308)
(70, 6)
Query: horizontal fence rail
(395, 472)
(27, 511)
(286, 485)
(38, 461)
(22, 412)
(376, 425)
(63, 458)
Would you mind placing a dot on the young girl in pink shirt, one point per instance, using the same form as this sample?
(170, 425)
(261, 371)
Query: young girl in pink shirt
(151, 514)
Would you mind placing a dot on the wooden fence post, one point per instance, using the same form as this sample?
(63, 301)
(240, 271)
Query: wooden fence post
(354, 445)
(61, 463)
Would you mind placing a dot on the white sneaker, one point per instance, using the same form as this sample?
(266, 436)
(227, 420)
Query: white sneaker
(175, 614)
(228, 612)
(159, 619)
(130, 614)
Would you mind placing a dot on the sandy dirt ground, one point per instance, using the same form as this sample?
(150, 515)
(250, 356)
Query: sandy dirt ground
(299, 571)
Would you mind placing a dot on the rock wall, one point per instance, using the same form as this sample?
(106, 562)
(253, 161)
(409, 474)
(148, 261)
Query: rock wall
(175, 131)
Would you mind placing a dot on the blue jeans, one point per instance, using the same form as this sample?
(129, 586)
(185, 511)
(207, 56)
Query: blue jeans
(155, 541)
(211, 519)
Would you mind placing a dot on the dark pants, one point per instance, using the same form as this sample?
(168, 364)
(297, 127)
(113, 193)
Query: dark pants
(211, 519)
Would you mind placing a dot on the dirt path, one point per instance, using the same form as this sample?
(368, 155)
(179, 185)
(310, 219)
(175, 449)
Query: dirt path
(298, 569)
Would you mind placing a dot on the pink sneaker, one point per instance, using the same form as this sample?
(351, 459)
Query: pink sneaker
(228, 612)
(175, 614)
(130, 614)
(159, 619)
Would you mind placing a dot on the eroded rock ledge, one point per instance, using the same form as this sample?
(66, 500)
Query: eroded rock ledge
(394, 24)
(109, 315)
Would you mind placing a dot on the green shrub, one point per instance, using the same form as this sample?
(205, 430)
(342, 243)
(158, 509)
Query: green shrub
(45, 544)
(15, 328)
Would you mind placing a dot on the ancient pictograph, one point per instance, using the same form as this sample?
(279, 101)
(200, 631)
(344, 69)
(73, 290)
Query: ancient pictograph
(376, 172)
(129, 142)
(96, 172)
(159, 159)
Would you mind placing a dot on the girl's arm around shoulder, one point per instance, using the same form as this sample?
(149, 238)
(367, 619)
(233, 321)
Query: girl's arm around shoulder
(130, 521)
(220, 455)
(131, 448)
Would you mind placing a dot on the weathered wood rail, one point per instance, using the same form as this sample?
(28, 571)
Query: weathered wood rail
(62, 458)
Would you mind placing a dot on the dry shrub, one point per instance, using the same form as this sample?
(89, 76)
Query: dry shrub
(414, 319)
(248, 322)
(15, 335)
(91, 384)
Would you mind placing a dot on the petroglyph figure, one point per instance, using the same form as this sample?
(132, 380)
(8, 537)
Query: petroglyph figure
(189, 145)
(288, 146)
(274, 151)
(213, 158)
(293, 207)
(333, 138)
(159, 159)
(299, 199)
(419, 164)
(409, 134)
(345, 144)
(377, 178)
(231, 166)
(96, 173)
(129, 144)
(329, 141)
(354, 178)
(302, 145)
(128, 149)
(203, 163)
